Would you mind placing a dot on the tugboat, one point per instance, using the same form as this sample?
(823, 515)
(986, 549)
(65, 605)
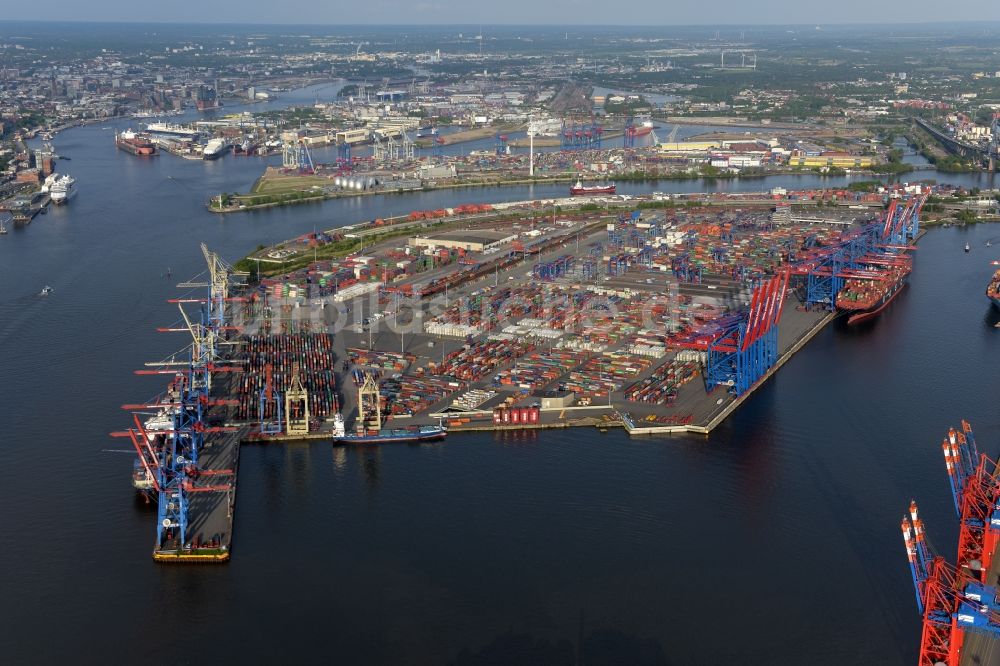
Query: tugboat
(46, 290)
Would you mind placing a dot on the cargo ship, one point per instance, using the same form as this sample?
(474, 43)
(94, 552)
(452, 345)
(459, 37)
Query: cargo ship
(134, 143)
(865, 299)
(580, 189)
(160, 424)
(247, 147)
(429, 433)
(993, 289)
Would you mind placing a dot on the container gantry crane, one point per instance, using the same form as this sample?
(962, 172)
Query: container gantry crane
(741, 350)
(950, 601)
(169, 456)
(975, 486)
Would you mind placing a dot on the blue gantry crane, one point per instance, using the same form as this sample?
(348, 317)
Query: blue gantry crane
(742, 348)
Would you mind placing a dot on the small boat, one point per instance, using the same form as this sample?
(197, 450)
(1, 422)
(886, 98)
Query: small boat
(989, 244)
(967, 248)
(46, 290)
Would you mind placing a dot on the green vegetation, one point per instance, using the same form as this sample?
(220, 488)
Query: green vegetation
(294, 115)
(966, 217)
(953, 164)
(863, 186)
(28, 119)
(629, 106)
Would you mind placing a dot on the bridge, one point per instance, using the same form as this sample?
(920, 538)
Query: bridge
(990, 156)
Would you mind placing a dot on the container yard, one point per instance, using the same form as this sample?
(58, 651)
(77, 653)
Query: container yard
(658, 321)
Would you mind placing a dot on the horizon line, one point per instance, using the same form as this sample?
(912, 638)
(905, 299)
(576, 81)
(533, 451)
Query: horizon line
(809, 24)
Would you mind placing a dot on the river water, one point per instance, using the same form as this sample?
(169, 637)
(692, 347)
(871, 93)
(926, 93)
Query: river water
(774, 541)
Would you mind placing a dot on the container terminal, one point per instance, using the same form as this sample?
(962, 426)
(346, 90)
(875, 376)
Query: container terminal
(656, 320)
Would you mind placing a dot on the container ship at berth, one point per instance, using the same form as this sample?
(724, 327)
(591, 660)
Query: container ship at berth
(993, 289)
(580, 189)
(134, 143)
(865, 298)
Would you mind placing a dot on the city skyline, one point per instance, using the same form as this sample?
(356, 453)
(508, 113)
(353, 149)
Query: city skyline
(514, 12)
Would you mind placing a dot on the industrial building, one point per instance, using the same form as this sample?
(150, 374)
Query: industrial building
(471, 241)
(841, 160)
(352, 136)
(556, 399)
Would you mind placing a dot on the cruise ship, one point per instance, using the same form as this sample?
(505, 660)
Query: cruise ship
(171, 129)
(215, 149)
(547, 127)
(62, 189)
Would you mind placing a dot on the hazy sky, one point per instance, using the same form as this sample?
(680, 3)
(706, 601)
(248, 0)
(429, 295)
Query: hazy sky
(519, 12)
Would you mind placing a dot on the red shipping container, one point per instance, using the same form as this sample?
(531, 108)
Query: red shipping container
(506, 416)
(515, 416)
(535, 414)
(497, 416)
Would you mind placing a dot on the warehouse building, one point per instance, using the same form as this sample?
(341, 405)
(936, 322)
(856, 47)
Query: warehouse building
(473, 240)
(831, 159)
